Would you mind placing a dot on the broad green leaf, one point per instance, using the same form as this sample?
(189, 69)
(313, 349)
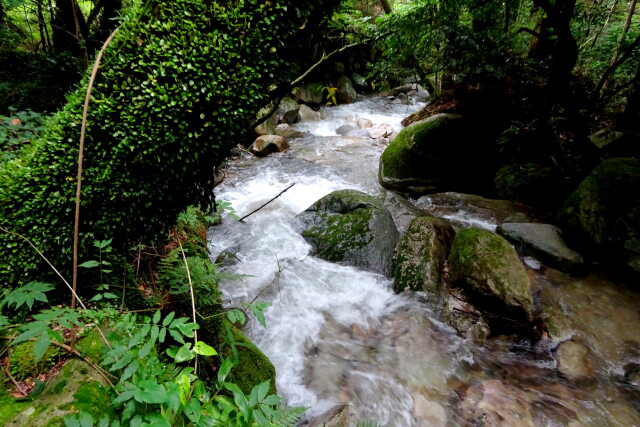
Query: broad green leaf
(40, 347)
(225, 369)
(203, 349)
(168, 319)
(32, 330)
(184, 353)
(156, 317)
(89, 264)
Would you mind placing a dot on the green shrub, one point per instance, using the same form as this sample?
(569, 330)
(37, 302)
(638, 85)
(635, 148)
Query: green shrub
(180, 81)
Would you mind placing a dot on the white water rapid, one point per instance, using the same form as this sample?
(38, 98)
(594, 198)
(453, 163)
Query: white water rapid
(340, 337)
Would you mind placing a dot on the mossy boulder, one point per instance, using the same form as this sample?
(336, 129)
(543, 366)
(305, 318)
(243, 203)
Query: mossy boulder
(603, 213)
(437, 154)
(530, 183)
(345, 93)
(422, 254)
(77, 387)
(253, 366)
(311, 93)
(23, 364)
(544, 242)
(353, 228)
(487, 267)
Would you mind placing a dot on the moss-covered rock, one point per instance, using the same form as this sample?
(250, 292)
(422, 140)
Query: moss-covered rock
(345, 93)
(531, 184)
(440, 153)
(488, 268)
(77, 387)
(421, 255)
(22, 362)
(253, 366)
(351, 227)
(603, 213)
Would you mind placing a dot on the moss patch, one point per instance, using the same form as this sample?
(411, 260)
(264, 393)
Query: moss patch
(253, 366)
(487, 266)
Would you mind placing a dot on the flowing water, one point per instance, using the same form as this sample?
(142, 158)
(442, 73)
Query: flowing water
(341, 339)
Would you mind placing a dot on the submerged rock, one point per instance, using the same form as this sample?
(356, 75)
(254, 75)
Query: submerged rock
(381, 131)
(437, 154)
(350, 130)
(544, 242)
(287, 132)
(364, 123)
(494, 403)
(422, 254)
(574, 361)
(488, 268)
(351, 227)
(603, 213)
(268, 144)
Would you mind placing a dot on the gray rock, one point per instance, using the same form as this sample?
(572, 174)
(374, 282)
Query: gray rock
(311, 93)
(364, 123)
(422, 254)
(307, 113)
(345, 94)
(287, 132)
(350, 130)
(288, 111)
(267, 144)
(381, 131)
(544, 242)
(351, 227)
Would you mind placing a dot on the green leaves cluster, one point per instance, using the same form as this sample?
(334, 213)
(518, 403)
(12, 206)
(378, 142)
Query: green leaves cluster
(181, 80)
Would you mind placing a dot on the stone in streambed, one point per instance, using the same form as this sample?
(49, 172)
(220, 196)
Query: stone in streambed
(422, 254)
(445, 152)
(574, 360)
(603, 213)
(353, 228)
(544, 242)
(353, 131)
(487, 267)
(268, 144)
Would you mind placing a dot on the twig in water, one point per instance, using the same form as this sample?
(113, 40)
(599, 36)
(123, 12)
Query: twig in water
(279, 194)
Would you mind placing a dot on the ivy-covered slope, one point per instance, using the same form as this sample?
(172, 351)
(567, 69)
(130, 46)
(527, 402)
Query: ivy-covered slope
(181, 79)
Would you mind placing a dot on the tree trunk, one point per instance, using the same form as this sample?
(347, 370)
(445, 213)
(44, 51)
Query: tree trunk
(631, 117)
(1, 13)
(625, 30)
(42, 27)
(386, 6)
(68, 27)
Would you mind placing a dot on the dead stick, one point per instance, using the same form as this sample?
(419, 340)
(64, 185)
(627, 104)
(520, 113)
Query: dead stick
(279, 194)
(83, 129)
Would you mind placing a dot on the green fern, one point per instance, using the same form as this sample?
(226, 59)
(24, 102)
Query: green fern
(287, 417)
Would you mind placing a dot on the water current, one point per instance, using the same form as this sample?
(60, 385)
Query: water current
(344, 343)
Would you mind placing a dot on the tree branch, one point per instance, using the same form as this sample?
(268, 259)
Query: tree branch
(256, 210)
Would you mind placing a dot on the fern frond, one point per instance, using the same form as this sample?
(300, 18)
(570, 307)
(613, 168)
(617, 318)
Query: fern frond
(287, 417)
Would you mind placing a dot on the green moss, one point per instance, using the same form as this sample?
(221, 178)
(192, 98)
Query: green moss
(9, 407)
(253, 366)
(401, 159)
(340, 234)
(23, 364)
(488, 266)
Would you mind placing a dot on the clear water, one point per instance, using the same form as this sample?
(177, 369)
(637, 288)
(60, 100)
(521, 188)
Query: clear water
(341, 338)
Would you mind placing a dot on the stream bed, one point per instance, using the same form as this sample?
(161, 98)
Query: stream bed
(345, 345)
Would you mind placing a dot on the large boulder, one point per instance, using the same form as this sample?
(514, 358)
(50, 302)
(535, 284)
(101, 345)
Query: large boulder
(311, 94)
(77, 387)
(288, 111)
(444, 152)
(267, 144)
(351, 227)
(603, 213)
(531, 184)
(422, 254)
(307, 113)
(544, 242)
(487, 267)
(345, 93)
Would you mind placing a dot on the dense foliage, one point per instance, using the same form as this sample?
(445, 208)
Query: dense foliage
(179, 82)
